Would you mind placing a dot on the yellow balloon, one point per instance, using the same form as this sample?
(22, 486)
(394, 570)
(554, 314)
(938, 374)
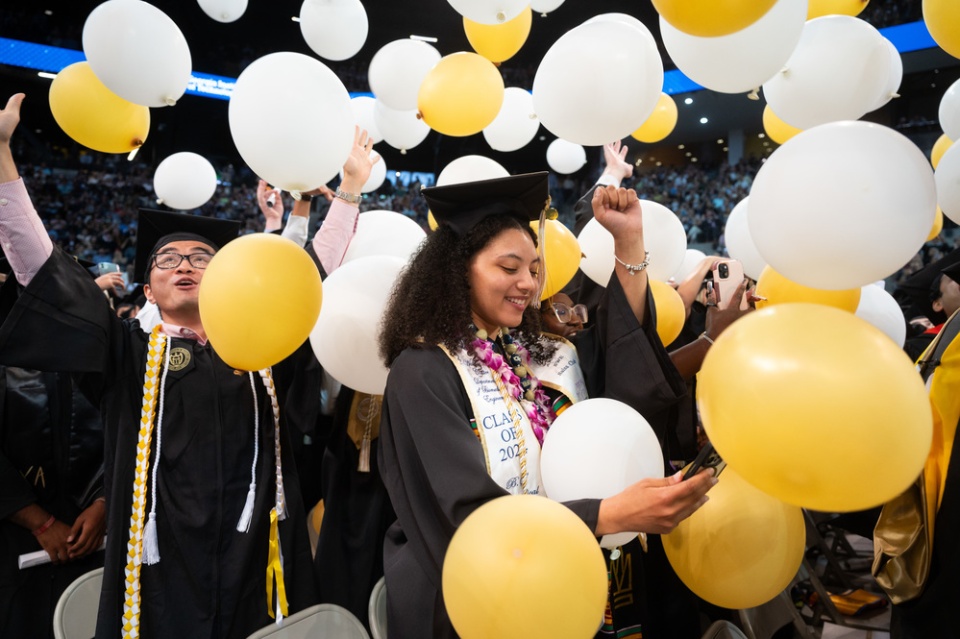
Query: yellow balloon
(939, 148)
(562, 252)
(710, 18)
(816, 407)
(937, 225)
(671, 313)
(817, 8)
(779, 290)
(93, 115)
(740, 549)
(432, 221)
(461, 94)
(943, 21)
(777, 130)
(661, 122)
(529, 549)
(499, 42)
(259, 300)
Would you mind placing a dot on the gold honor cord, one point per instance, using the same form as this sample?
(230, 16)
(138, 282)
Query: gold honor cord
(131, 600)
(275, 570)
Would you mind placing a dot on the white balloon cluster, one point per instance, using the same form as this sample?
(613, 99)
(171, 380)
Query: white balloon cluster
(566, 157)
(184, 181)
(516, 124)
(334, 29)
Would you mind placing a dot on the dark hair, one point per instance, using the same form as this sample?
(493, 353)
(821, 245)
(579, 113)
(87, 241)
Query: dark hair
(430, 304)
(935, 293)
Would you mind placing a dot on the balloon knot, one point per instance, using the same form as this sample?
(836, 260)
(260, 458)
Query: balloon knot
(755, 94)
(169, 101)
(894, 95)
(543, 15)
(403, 151)
(501, 16)
(419, 115)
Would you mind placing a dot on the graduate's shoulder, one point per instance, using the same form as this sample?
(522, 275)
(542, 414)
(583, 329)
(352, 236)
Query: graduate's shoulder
(422, 365)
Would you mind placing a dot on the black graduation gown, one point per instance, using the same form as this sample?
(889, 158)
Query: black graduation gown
(356, 515)
(51, 454)
(434, 469)
(211, 580)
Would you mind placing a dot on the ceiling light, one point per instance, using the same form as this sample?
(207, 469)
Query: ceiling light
(659, 163)
(688, 101)
(44, 74)
(761, 135)
(423, 38)
(681, 146)
(295, 18)
(693, 159)
(726, 148)
(704, 120)
(720, 141)
(689, 154)
(48, 12)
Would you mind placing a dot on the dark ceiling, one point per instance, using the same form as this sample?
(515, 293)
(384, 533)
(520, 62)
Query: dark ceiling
(200, 124)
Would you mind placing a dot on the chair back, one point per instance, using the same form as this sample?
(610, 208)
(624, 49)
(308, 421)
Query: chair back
(723, 630)
(763, 621)
(75, 616)
(326, 621)
(377, 610)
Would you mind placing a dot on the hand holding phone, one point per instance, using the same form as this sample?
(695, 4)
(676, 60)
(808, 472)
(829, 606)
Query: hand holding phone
(706, 458)
(727, 278)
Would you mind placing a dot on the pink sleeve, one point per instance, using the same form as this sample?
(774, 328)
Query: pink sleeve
(334, 235)
(22, 236)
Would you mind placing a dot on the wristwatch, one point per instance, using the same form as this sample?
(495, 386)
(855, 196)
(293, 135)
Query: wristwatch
(352, 198)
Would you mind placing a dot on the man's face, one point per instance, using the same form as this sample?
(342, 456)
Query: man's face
(949, 300)
(177, 290)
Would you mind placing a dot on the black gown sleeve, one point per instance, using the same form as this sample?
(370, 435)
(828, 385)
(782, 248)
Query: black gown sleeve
(15, 491)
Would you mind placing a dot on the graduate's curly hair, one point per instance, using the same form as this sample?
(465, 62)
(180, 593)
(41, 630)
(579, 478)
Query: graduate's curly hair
(430, 304)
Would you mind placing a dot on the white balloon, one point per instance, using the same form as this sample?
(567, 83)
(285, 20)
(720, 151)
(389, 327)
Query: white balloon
(595, 449)
(184, 181)
(363, 106)
(842, 204)
(837, 72)
(223, 10)
(138, 52)
(663, 237)
(400, 129)
(384, 233)
(397, 70)
(334, 29)
(516, 124)
(291, 120)
(950, 111)
(345, 339)
(894, 77)
(741, 61)
(545, 6)
(377, 174)
(880, 309)
(566, 157)
(948, 183)
(471, 168)
(592, 58)
(691, 260)
(740, 244)
(489, 11)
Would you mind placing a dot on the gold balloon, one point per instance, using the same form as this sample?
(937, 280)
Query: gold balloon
(259, 300)
(538, 566)
(939, 148)
(815, 407)
(671, 313)
(777, 289)
(562, 253)
(661, 122)
(740, 549)
(937, 225)
(461, 94)
(943, 21)
(708, 18)
(499, 42)
(93, 115)
(817, 8)
(777, 130)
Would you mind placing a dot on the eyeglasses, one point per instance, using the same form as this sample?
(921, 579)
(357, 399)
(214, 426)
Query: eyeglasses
(567, 314)
(173, 260)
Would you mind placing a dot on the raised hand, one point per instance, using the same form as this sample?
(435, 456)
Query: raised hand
(272, 212)
(10, 117)
(615, 155)
(356, 170)
(618, 211)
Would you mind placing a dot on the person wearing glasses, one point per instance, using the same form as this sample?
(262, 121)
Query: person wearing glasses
(207, 532)
(561, 316)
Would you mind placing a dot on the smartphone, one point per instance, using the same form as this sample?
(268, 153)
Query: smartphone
(727, 277)
(707, 458)
(109, 267)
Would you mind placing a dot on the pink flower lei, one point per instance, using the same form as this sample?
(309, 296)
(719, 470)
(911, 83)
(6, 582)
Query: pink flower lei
(539, 411)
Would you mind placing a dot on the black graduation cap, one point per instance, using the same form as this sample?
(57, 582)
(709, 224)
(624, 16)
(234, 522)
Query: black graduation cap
(156, 229)
(913, 294)
(462, 206)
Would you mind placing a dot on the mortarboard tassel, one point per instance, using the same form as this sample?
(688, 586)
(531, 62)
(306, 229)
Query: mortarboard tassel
(244, 524)
(151, 550)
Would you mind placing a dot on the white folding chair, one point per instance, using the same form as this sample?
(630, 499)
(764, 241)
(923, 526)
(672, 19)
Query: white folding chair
(377, 610)
(326, 621)
(723, 630)
(75, 616)
(763, 621)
